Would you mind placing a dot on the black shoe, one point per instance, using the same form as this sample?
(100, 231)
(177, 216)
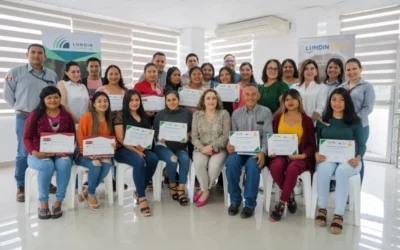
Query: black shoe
(115, 186)
(332, 186)
(233, 209)
(291, 204)
(276, 214)
(246, 212)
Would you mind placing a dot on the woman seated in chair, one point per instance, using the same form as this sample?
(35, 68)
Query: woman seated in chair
(339, 122)
(95, 123)
(210, 134)
(143, 160)
(286, 169)
(49, 117)
(174, 153)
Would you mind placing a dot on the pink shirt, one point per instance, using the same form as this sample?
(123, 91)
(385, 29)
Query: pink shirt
(105, 90)
(241, 102)
(94, 84)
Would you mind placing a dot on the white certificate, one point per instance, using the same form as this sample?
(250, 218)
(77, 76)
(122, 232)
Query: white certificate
(228, 92)
(173, 131)
(139, 136)
(245, 142)
(153, 102)
(98, 146)
(340, 151)
(57, 143)
(116, 102)
(189, 97)
(283, 144)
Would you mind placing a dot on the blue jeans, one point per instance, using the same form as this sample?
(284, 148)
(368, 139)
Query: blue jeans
(234, 165)
(165, 154)
(342, 172)
(46, 168)
(98, 170)
(366, 135)
(21, 163)
(143, 168)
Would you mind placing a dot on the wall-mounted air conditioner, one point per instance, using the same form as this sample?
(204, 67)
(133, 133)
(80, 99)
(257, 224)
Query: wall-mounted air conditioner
(270, 24)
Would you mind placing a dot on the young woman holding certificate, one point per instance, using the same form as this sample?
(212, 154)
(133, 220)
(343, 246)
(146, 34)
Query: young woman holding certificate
(339, 122)
(286, 169)
(95, 123)
(143, 161)
(113, 84)
(226, 76)
(246, 76)
(49, 117)
(210, 135)
(173, 80)
(172, 145)
(196, 81)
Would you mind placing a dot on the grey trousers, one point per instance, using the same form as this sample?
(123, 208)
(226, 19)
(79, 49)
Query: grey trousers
(208, 168)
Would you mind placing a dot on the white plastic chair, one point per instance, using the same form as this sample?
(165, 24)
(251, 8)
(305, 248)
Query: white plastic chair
(31, 174)
(268, 181)
(80, 171)
(226, 193)
(354, 197)
(122, 168)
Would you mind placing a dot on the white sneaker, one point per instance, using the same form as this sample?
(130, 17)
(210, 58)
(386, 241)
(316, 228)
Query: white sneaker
(298, 189)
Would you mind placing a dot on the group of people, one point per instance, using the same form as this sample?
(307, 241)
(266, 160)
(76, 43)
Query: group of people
(287, 102)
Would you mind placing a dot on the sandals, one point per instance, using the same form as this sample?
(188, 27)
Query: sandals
(45, 211)
(94, 207)
(320, 220)
(336, 228)
(57, 213)
(175, 196)
(81, 197)
(144, 209)
(183, 200)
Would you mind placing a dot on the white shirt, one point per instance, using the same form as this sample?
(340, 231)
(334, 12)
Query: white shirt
(77, 98)
(314, 97)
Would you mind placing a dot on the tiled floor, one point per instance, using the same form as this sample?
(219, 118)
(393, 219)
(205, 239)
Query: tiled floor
(209, 227)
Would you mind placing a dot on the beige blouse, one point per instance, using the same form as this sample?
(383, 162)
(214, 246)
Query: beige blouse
(215, 133)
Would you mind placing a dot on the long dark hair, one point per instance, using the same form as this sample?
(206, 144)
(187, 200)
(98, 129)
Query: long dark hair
(338, 63)
(292, 62)
(349, 114)
(303, 68)
(127, 112)
(230, 71)
(41, 108)
(252, 80)
(121, 83)
(192, 69)
(169, 84)
(295, 95)
(212, 68)
(66, 68)
(171, 92)
(95, 116)
(264, 75)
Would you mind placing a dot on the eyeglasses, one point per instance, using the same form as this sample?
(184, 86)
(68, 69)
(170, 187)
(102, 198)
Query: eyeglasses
(272, 69)
(229, 61)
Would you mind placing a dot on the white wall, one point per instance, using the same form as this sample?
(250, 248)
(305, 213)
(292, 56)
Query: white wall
(8, 139)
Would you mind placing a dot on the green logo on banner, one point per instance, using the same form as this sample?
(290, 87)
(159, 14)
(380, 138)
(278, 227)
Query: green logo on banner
(61, 42)
(231, 133)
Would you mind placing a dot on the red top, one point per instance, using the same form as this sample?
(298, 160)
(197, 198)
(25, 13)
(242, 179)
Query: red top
(32, 132)
(144, 88)
(307, 144)
(241, 102)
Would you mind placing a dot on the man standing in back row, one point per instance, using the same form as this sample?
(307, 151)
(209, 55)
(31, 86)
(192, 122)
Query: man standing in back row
(230, 62)
(159, 60)
(191, 61)
(22, 88)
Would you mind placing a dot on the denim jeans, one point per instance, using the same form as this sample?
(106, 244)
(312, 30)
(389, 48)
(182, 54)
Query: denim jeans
(234, 165)
(342, 172)
(21, 162)
(366, 135)
(143, 168)
(165, 154)
(97, 172)
(46, 168)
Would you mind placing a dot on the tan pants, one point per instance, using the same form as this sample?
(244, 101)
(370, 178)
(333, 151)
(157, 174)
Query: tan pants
(208, 168)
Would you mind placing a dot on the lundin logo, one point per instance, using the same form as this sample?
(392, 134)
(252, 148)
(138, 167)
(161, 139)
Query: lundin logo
(61, 43)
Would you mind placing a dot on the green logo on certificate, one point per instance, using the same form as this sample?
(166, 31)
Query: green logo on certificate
(322, 141)
(162, 123)
(257, 149)
(216, 85)
(231, 133)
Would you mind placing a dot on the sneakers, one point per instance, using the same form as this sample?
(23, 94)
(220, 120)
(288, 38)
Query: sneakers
(21, 194)
(291, 204)
(276, 214)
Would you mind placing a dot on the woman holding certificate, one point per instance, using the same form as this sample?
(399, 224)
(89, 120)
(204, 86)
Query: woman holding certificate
(273, 87)
(246, 76)
(96, 124)
(113, 84)
(190, 99)
(49, 117)
(342, 128)
(208, 75)
(226, 76)
(173, 80)
(172, 127)
(284, 168)
(210, 135)
(143, 161)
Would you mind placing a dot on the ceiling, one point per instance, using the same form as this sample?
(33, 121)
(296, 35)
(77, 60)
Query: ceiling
(178, 14)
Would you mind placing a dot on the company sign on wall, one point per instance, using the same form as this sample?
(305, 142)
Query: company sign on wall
(64, 47)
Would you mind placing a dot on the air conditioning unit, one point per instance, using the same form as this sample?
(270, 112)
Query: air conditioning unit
(270, 24)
